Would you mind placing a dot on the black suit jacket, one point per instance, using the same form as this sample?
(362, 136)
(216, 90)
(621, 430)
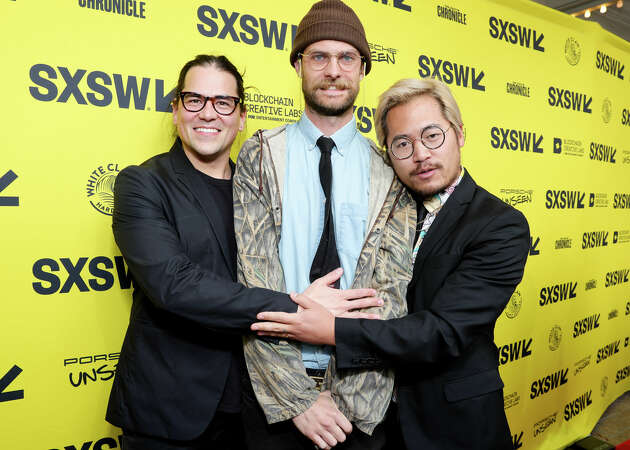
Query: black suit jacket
(177, 351)
(449, 389)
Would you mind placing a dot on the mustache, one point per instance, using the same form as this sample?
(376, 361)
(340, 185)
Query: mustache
(339, 84)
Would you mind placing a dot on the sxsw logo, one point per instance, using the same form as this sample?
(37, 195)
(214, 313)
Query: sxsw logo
(609, 65)
(533, 246)
(557, 293)
(516, 34)
(516, 140)
(625, 117)
(564, 199)
(607, 351)
(129, 91)
(6, 380)
(105, 443)
(244, 28)
(583, 326)
(601, 152)
(517, 440)
(548, 383)
(5, 181)
(575, 407)
(451, 72)
(617, 277)
(515, 350)
(592, 239)
(398, 4)
(99, 267)
(567, 99)
(621, 200)
(364, 117)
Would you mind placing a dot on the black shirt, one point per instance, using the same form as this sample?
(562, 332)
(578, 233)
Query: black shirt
(220, 190)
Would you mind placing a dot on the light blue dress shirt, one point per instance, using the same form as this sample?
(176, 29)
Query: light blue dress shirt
(303, 209)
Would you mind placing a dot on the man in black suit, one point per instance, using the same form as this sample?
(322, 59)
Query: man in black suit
(178, 379)
(469, 255)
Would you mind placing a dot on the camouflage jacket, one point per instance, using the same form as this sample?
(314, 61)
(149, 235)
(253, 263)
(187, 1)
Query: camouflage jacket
(278, 376)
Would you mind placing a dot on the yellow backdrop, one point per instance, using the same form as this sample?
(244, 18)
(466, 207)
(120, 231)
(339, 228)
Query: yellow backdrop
(546, 105)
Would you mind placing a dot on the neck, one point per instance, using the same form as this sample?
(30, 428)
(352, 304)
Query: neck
(216, 166)
(328, 125)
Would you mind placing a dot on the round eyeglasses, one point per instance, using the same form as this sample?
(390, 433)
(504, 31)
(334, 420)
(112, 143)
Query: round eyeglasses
(432, 137)
(222, 104)
(347, 61)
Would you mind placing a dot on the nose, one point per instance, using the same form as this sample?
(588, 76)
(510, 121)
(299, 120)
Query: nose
(208, 112)
(332, 69)
(420, 152)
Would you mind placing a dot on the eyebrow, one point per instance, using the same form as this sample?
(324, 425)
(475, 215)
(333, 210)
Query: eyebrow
(435, 124)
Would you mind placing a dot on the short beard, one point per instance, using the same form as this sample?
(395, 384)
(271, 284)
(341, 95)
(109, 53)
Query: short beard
(330, 111)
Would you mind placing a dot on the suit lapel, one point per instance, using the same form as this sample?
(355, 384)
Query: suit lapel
(189, 176)
(446, 219)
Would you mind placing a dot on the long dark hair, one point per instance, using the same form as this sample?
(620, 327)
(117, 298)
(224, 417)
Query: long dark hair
(221, 63)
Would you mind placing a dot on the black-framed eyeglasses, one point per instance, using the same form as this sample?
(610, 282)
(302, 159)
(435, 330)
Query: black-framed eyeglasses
(432, 137)
(222, 104)
(347, 61)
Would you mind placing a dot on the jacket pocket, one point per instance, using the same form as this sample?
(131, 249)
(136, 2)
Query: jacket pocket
(473, 386)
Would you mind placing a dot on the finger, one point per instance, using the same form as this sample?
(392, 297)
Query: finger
(329, 438)
(272, 327)
(272, 334)
(358, 293)
(276, 316)
(302, 300)
(359, 315)
(364, 303)
(342, 422)
(319, 442)
(331, 277)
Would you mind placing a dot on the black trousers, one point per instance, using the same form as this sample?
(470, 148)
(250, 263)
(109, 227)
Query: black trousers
(225, 432)
(259, 435)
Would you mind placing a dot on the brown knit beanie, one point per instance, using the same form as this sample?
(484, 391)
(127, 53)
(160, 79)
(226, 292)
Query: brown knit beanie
(334, 20)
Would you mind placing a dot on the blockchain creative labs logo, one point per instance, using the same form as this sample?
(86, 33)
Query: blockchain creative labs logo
(516, 196)
(621, 237)
(543, 424)
(581, 364)
(448, 12)
(598, 200)
(277, 108)
(606, 110)
(511, 399)
(568, 147)
(625, 156)
(514, 305)
(590, 284)
(572, 51)
(555, 338)
(563, 243)
(382, 53)
(100, 188)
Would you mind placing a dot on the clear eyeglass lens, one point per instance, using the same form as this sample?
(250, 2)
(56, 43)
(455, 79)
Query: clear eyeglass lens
(432, 137)
(319, 60)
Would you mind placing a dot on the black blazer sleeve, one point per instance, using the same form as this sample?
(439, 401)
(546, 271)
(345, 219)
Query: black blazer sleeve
(165, 273)
(477, 284)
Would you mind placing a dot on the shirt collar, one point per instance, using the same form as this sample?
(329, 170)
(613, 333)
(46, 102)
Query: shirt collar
(435, 202)
(342, 137)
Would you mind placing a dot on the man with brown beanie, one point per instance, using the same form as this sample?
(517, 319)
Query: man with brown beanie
(309, 198)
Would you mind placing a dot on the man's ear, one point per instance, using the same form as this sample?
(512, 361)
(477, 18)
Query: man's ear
(298, 67)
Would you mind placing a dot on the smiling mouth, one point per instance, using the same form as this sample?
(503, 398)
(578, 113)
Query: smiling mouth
(207, 130)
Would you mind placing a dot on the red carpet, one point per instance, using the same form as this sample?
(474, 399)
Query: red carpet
(623, 446)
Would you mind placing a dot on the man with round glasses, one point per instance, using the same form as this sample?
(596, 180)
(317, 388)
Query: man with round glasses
(469, 255)
(178, 380)
(311, 197)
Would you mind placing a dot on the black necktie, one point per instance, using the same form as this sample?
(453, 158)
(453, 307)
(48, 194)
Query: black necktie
(326, 258)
